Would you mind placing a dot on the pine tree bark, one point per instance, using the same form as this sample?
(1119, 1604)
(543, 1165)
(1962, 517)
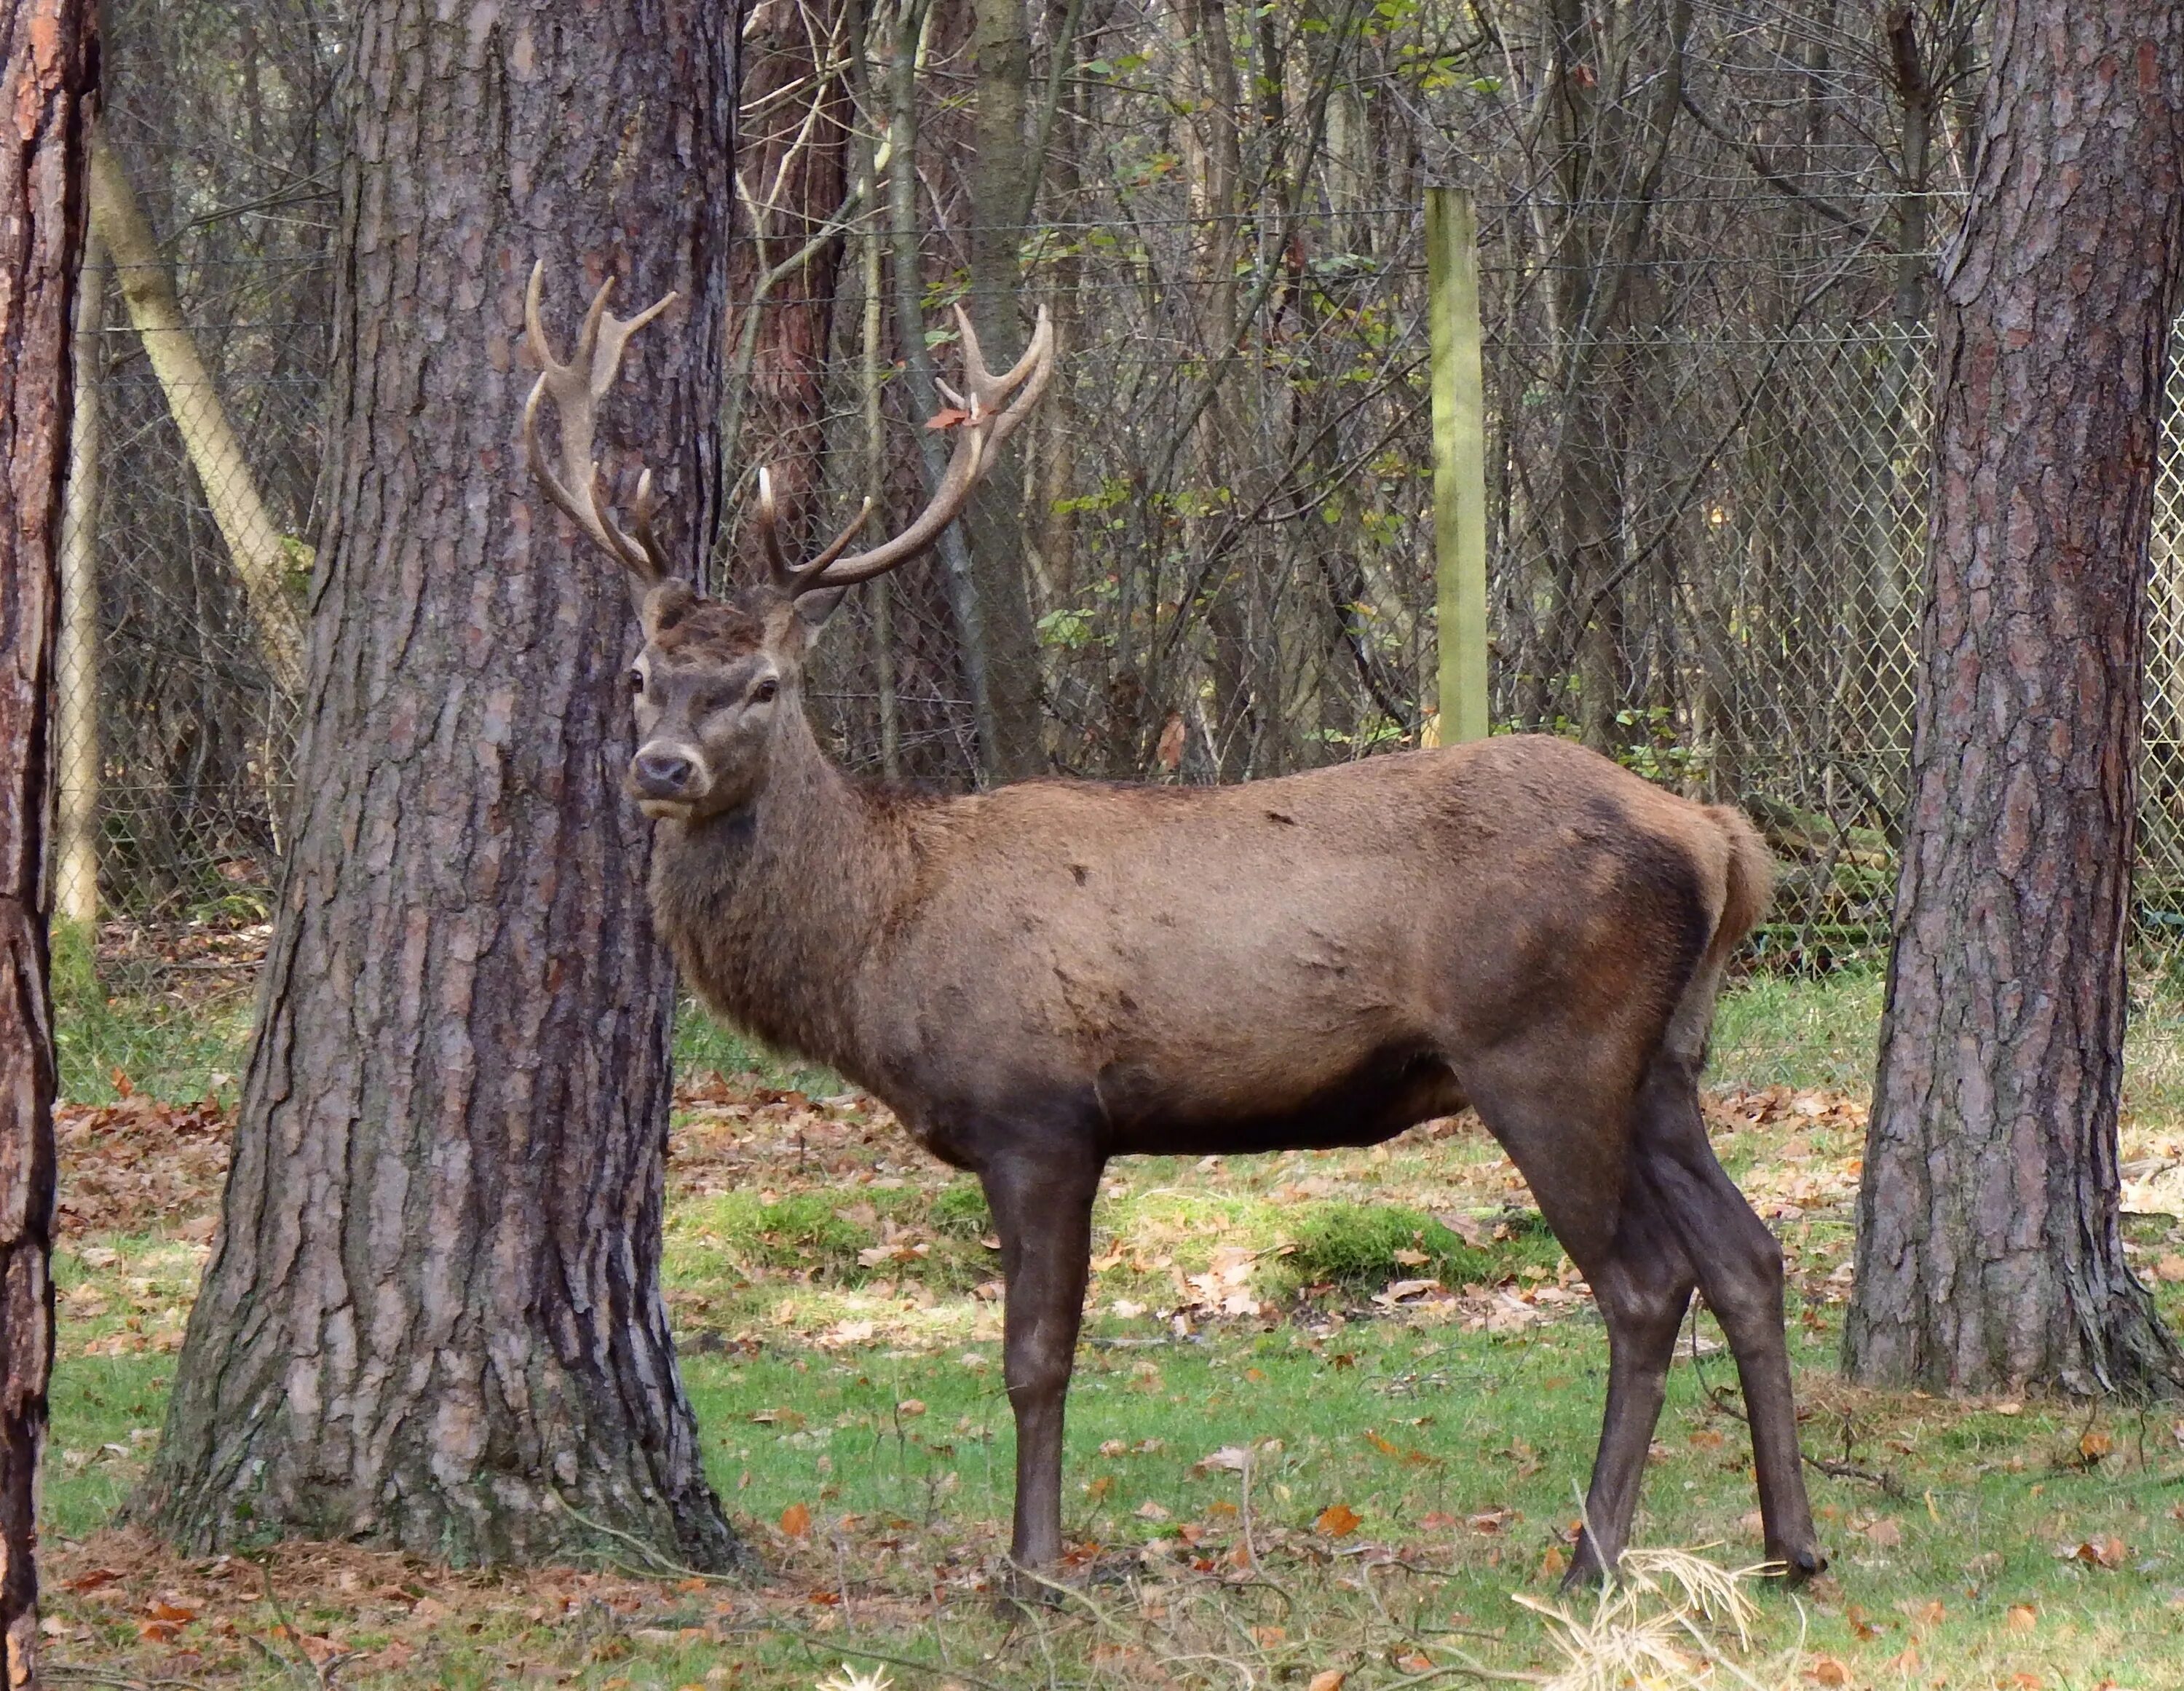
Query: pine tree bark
(432, 1319)
(47, 58)
(1989, 1254)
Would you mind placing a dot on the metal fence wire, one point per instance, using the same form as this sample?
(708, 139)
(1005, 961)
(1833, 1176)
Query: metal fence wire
(1708, 509)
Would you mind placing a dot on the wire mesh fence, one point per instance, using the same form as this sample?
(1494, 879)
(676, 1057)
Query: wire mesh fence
(1707, 396)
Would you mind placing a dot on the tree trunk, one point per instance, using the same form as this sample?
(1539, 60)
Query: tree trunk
(1989, 1256)
(1002, 170)
(795, 176)
(231, 489)
(76, 705)
(48, 52)
(432, 1319)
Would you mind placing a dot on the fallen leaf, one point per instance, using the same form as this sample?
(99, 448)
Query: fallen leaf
(1235, 1457)
(1554, 1561)
(796, 1520)
(1150, 1511)
(2094, 1444)
(947, 417)
(2103, 1549)
(910, 1408)
(1827, 1670)
(160, 1610)
(2170, 1267)
(1885, 1531)
(1330, 1680)
(1338, 1521)
(2022, 1617)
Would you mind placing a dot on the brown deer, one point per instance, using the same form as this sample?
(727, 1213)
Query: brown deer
(1042, 977)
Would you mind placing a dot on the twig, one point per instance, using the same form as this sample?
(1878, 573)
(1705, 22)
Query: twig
(1890, 1486)
(810, 1640)
(80, 1675)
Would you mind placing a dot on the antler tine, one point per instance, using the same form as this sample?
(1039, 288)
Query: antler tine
(835, 548)
(577, 387)
(977, 438)
(769, 532)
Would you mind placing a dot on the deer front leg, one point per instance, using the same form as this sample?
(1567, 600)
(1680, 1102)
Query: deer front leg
(1042, 1207)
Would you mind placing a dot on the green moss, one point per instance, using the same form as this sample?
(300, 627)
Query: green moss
(1355, 1246)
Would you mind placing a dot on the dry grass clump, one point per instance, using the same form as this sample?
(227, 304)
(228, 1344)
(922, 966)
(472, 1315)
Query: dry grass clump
(1662, 1624)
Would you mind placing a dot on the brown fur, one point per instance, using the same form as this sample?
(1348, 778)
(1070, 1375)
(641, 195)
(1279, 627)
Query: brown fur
(1040, 978)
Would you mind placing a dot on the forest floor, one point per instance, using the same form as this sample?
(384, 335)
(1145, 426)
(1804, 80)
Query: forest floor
(1331, 1419)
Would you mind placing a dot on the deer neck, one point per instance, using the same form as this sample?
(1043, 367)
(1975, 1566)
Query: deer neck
(773, 910)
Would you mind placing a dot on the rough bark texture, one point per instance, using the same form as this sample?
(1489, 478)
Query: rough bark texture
(432, 1317)
(48, 49)
(1989, 1256)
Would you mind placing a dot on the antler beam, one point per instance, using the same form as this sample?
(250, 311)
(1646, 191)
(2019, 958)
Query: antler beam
(988, 422)
(577, 388)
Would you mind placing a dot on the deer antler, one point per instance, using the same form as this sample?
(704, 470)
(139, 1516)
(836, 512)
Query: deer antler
(577, 387)
(986, 424)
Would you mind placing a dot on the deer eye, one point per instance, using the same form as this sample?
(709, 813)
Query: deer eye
(637, 683)
(764, 692)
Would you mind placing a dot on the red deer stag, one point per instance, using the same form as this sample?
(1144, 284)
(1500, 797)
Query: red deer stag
(1040, 978)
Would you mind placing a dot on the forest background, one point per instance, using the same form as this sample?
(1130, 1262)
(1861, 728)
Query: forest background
(1707, 236)
(1705, 290)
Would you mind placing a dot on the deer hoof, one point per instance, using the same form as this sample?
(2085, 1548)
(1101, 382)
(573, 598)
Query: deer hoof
(1794, 1567)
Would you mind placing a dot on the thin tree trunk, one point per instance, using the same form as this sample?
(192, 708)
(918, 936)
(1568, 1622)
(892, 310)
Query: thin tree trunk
(230, 490)
(1989, 1253)
(964, 603)
(795, 176)
(75, 704)
(433, 1319)
(46, 47)
(1003, 172)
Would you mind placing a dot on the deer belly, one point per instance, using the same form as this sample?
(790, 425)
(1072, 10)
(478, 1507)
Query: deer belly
(1204, 1111)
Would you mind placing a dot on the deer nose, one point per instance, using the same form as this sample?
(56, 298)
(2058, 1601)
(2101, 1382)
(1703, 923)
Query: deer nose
(663, 775)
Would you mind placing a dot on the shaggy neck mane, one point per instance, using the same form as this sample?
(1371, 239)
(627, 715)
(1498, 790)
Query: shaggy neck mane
(771, 909)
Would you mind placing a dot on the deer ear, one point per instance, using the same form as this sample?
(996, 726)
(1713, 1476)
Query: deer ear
(813, 609)
(661, 605)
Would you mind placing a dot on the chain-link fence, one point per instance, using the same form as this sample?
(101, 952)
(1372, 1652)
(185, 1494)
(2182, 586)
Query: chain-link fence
(1707, 469)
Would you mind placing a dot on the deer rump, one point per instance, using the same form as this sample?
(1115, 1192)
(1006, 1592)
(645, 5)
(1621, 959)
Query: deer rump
(1309, 962)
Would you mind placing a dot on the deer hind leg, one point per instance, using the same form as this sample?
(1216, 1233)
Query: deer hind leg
(1739, 1266)
(1565, 1116)
(1643, 1288)
(1042, 1205)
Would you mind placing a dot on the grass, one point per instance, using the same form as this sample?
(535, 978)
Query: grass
(1414, 1456)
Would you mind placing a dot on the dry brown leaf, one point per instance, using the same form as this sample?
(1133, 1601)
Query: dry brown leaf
(1827, 1670)
(1329, 1679)
(1338, 1521)
(2022, 1617)
(796, 1520)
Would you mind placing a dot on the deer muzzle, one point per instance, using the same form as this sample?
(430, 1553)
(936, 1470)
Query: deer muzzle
(666, 779)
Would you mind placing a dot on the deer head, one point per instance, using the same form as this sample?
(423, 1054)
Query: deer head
(718, 678)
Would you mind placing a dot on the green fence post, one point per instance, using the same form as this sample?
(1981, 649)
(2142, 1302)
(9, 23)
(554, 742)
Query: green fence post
(1459, 451)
